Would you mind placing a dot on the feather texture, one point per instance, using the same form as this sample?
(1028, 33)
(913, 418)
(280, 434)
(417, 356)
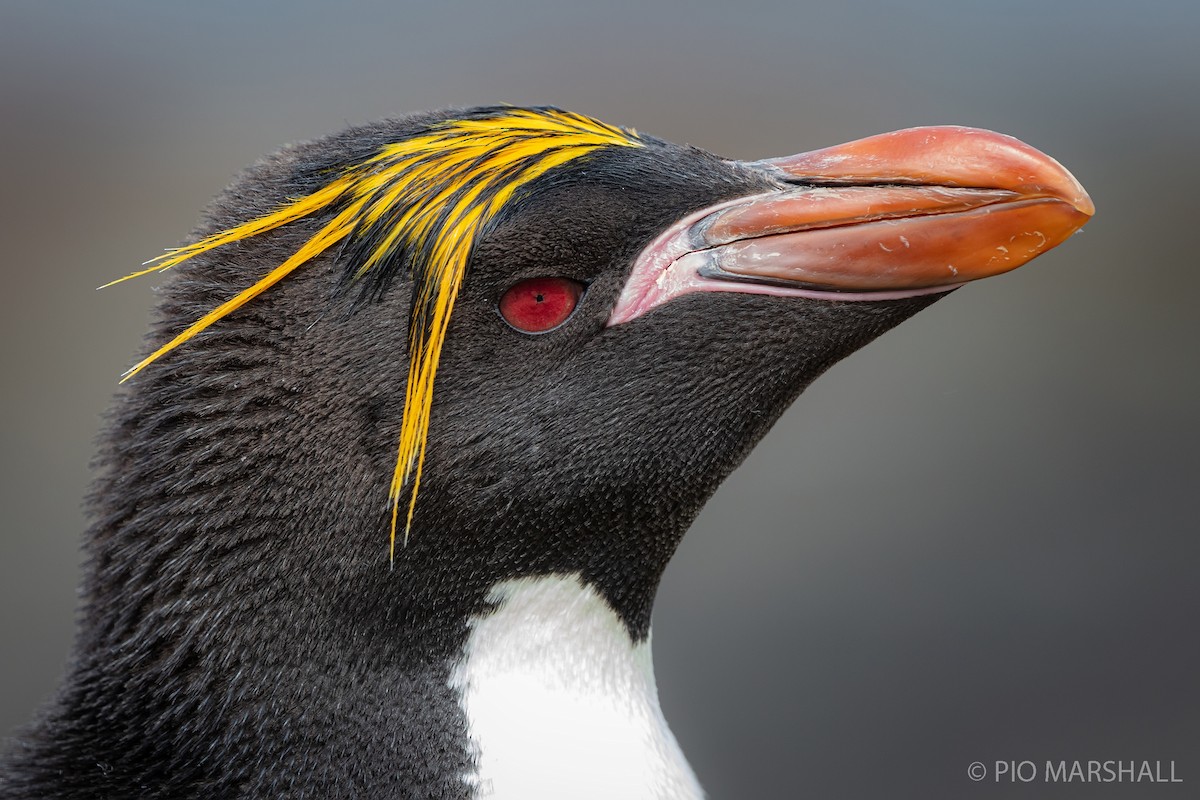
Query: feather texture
(418, 205)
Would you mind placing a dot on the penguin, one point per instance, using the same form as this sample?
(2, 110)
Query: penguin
(426, 408)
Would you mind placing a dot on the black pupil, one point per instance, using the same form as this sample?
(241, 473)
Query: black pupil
(539, 298)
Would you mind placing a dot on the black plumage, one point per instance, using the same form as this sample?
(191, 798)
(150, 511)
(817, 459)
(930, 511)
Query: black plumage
(244, 633)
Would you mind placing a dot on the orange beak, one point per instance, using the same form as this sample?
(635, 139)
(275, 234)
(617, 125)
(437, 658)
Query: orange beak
(902, 214)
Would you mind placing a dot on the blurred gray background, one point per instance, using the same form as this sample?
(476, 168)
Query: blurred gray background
(974, 540)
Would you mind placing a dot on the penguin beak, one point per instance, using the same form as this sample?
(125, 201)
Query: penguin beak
(902, 214)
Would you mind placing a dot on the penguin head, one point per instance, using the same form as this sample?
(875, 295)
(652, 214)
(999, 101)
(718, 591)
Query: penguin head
(573, 352)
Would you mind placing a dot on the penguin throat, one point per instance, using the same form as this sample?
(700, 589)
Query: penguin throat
(560, 701)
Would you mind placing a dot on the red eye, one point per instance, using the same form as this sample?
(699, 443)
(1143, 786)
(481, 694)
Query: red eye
(539, 304)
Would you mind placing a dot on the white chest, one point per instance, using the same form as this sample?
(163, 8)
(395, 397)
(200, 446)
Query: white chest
(560, 702)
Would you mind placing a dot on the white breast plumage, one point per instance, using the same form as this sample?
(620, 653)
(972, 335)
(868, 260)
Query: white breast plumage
(561, 703)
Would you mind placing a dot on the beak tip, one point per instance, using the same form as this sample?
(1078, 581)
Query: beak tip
(1083, 204)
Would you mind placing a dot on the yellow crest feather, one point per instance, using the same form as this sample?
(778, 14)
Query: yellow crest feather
(431, 193)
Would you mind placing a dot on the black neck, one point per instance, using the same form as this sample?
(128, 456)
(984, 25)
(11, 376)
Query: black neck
(256, 685)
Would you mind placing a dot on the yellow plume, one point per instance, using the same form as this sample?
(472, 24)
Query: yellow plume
(424, 201)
